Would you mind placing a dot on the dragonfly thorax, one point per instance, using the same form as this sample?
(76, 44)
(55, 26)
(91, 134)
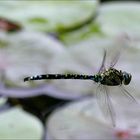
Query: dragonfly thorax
(112, 77)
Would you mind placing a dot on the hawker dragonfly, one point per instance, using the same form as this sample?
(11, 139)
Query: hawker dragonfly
(104, 77)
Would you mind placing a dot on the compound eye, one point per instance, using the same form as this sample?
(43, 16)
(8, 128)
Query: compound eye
(126, 78)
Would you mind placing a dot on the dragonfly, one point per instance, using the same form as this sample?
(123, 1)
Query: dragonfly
(104, 78)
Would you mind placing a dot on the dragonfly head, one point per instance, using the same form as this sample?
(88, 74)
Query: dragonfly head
(126, 78)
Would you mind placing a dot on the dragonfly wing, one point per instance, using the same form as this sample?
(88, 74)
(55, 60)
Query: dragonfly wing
(105, 104)
(115, 59)
(121, 42)
(131, 97)
(102, 67)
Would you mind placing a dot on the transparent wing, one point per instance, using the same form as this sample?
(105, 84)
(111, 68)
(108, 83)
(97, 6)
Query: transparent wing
(115, 59)
(114, 55)
(105, 103)
(102, 67)
(120, 43)
(131, 97)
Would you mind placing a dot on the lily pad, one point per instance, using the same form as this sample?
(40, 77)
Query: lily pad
(2, 101)
(26, 53)
(90, 30)
(119, 17)
(18, 124)
(83, 120)
(49, 16)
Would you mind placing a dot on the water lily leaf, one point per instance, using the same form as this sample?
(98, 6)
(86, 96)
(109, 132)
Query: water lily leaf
(18, 124)
(119, 17)
(83, 120)
(49, 16)
(43, 89)
(25, 53)
(90, 30)
(2, 101)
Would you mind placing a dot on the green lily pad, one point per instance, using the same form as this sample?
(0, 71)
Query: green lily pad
(83, 120)
(88, 31)
(119, 17)
(18, 124)
(2, 101)
(24, 54)
(50, 16)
